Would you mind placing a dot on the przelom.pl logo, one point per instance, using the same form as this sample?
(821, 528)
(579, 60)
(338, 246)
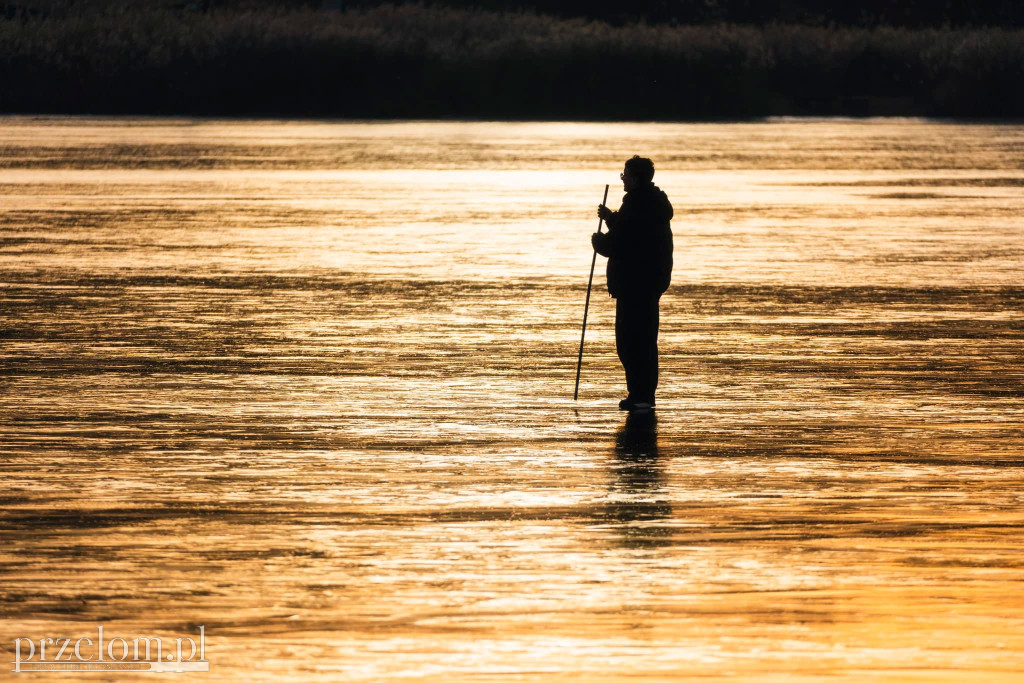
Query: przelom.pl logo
(116, 654)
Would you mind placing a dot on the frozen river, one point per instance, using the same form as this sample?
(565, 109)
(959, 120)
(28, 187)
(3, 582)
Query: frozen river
(309, 385)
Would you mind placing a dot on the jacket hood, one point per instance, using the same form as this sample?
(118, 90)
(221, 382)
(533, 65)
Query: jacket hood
(657, 198)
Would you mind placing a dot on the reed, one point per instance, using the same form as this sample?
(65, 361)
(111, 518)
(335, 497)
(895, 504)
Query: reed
(420, 61)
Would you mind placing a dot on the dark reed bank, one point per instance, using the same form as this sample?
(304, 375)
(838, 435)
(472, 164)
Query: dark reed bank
(416, 61)
(864, 13)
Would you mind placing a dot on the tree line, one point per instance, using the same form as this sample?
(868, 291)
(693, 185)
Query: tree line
(416, 61)
(858, 13)
(834, 13)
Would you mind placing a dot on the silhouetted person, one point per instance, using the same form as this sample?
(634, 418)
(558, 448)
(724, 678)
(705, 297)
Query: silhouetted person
(638, 245)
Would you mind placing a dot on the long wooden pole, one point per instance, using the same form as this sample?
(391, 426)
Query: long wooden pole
(586, 307)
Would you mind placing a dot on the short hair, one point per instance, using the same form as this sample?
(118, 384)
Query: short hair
(641, 168)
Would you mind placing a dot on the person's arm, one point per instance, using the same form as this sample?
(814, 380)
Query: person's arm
(604, 243)
(611, 218)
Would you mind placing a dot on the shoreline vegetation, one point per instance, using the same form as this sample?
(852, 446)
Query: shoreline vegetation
(419, 61)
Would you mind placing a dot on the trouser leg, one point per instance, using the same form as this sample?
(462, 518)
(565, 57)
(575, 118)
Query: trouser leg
(636, 340)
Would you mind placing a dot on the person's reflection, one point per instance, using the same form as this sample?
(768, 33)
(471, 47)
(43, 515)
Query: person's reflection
(638, 501)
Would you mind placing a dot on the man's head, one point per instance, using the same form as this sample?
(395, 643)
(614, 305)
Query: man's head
(638, 172)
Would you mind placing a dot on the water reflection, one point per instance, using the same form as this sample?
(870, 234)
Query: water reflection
(638, 503)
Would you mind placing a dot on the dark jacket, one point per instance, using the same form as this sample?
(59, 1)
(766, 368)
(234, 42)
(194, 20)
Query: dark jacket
(638, 244)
